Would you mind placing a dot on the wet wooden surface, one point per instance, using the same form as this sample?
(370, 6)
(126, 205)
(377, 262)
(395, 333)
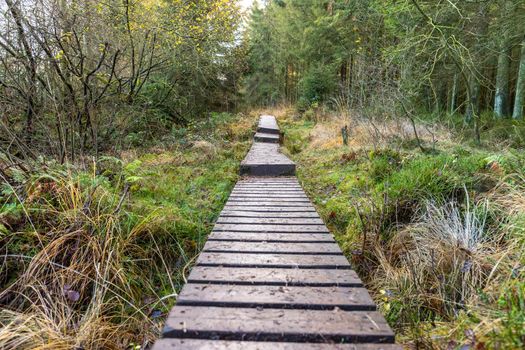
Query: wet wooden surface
(271, 275)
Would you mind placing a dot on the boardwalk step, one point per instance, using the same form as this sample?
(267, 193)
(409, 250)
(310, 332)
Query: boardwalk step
(259, 324)
(204, 344)
(268, 215)
(265, 137)
(268, 124)
(271, 237)
(276, 297)
(278, 260)
(266, 220)
(271, 275)
(265, 159)
(330, 248)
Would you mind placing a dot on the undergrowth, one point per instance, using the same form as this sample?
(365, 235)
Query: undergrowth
(437, 235)
(94, 254)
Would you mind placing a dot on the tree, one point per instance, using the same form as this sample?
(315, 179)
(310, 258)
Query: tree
(520, 86)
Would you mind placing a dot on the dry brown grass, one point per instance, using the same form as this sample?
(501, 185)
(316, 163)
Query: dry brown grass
(364, 132)
(75, 292)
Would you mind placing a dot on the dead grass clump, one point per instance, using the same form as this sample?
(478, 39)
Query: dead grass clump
(76, 272)
(205, 149)
(437, 266)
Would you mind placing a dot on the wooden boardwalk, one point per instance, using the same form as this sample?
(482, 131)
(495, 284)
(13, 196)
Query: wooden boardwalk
(271, 276)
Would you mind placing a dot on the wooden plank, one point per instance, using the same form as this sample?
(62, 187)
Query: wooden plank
(205, 344)
(271, 247)
(272, 189)
(252, 324)
(276, 297)
(265, 137)
(270, 228)
(271, 237)
(275, 277)
(252, 184)
(273, 260)
(272, 193)
(259, 182)
(268, 124)
(269, 179)
(282, 190)
(269, 215)
(262, 186)
(263, 220)
(270, 209)
(270, 204)
(266, 185)
(268, 195)
(249, 199)
(264, 159)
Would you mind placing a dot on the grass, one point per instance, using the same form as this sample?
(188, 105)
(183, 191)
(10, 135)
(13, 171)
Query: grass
(437, 236)
(95, 254)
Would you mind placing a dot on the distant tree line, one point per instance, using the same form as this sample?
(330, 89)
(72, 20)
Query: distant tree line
(78, 76)
(442, 56)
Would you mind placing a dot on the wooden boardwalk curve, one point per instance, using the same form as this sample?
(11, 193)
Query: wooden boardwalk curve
(271, 275)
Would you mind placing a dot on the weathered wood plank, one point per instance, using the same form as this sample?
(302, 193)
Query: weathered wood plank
(278, 194)
(250, 199)
(268, 124)
(270, 203)
(268, 179)
(268, 195)
(281, 221)
(268, 215)
(270, 228)
(281, 189)
(272, 276)
(276, 297)
(268, 192)
(273, 260)
(204, 344)
(270, 208)
(252, 324)
(262, 186)
(265, 159)
(275, 248)
(265, 137)
(271, 237)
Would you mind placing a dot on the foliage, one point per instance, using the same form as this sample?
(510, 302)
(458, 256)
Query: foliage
(436, 236)
(77, 76)
(95, 258)
(448, 58)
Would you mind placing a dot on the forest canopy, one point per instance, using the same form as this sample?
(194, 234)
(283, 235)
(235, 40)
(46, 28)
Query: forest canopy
(75, 75)
(463, 57)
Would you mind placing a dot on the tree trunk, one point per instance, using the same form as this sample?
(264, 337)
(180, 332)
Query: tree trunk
(520, 86)
(454, 93)
(473, 104)
(501, 100)
(474, 84)
(30, 67)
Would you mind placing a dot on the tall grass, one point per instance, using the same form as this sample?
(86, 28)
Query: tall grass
(93, 255)
(85, 280)
(437, 234)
